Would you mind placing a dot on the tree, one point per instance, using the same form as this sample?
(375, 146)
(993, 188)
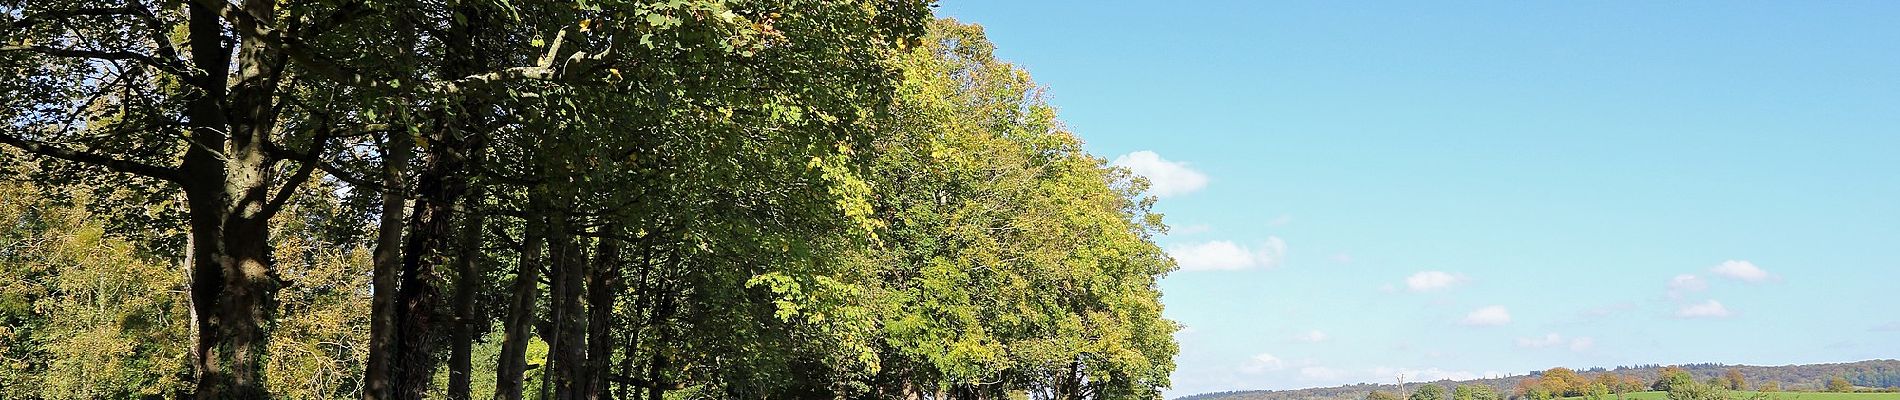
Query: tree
(1672, 376)
(1563, 382)
(1733, 378)
(987, 199)
(1838, 384)
(654, 199)
(1381, 395)
(82, 320)
(1693, 390)
(1429, 392)
(1768, 386)
(1473, 392)
(1596, 391)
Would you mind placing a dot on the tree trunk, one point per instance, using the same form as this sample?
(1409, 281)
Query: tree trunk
(438, 188)
(603, 284)
(233, 287)
(462, 336)
(656, 376)
(203, 183)
(566, 350)
(385, 272)
(517, 328)
(642, 296)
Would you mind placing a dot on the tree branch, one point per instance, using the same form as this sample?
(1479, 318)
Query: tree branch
(327, 168)
(544, 70)
(312, 158)
(69, 13)
(104, 55)
(114, 164)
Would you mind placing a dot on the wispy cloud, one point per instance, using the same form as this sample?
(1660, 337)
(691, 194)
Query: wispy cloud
(1313, 336)
(1425, 281)
(1488, 316)
(1261, 363)
(1165, 178)
(1707, 309)
(1319, 373)
(1686, 283)
(1223, 255)
(1741, 270)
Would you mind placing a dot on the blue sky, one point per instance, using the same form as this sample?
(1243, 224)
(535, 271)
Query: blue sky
(1460, 189)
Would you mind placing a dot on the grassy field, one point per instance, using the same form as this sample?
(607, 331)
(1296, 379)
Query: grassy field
(1743, 395)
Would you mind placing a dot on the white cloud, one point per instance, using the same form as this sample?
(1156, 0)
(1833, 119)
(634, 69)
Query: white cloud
(1582, 344)
(1165, 178)
(1222, 255)
(1262, 362)
(1425, 281)
(1550, 339)
(1707, 309)
(1313, 336)
(1741, 270)
(1685, 283)
(1321, 373)
(1488, 316)
(1554, 340)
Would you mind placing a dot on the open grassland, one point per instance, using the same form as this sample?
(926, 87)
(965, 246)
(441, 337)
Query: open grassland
(1744, 395)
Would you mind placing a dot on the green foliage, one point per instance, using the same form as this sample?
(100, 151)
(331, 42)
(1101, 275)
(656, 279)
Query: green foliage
(1839, 385)
(86, 314)
(1693, 390)
(1672, 377)
(320, 340)
(1429, 392)
(815, 199)
(1473, 392)
(1596, 391)
(1013, 259)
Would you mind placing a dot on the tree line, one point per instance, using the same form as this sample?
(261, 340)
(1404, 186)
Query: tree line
(555, 199)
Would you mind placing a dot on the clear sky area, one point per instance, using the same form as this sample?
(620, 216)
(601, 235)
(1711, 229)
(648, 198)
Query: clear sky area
(1461, 189)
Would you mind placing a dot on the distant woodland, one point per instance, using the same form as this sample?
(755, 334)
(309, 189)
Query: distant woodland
(1875, 375)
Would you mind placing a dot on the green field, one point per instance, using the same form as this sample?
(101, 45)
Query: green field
(1743, 395)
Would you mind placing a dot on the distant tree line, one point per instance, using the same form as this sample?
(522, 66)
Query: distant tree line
(1634, 378)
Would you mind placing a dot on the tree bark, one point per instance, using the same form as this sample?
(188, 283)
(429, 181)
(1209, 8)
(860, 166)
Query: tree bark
(386, 269)
(566, 349)
(233, 286)
(517, 328)
(603, 286)
(662, 314)
(462, 336)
